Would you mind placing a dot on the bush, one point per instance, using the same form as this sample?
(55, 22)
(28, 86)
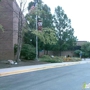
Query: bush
(27, 52)
(15, 49)
(58, 59)
(47, 58)
(77, 53)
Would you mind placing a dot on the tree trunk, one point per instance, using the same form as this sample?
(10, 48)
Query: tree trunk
(19, 36)
(46, 52)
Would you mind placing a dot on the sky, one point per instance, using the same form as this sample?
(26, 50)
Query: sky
(79, 13)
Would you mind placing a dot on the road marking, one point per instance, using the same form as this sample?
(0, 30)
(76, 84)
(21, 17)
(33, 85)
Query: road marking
(35, 69)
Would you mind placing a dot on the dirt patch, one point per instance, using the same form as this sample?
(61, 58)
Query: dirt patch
(5, 64)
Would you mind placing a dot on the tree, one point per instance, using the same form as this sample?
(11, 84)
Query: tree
(47, 36)
(64, 31)
(44, 13)
(86, 49)
(27, 52)
(47, 17)
(21, 25)
(77, 53)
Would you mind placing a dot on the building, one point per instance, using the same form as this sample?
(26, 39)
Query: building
(65, 53)
(9, 12)
(79, 44)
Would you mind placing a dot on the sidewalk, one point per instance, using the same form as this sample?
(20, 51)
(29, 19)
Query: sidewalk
(24, 69)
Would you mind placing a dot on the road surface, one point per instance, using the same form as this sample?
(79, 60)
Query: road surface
(63, 78)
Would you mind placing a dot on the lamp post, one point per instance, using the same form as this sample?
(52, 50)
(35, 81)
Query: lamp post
(36, 5)
(36, 36)
(36, 41)
(39, 25)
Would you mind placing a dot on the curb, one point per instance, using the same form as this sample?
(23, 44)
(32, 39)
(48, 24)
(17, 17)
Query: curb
(35, 69)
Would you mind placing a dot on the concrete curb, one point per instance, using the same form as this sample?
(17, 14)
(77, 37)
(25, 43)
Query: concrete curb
(36, 69)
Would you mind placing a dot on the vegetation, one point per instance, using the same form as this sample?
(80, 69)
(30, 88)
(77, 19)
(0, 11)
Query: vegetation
(47, 58)
(47, 36)
(77, 53)
(58, 59)
(27, 52)
(86, 49)
(56, 34)
(64, 31)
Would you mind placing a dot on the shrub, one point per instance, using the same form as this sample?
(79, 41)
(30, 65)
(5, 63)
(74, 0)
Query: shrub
(58, 59)
(27, 52)
(15, 49)
(77, 52)
(47, 58)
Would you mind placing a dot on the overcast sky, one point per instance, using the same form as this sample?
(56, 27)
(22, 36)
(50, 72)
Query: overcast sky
(79, 13)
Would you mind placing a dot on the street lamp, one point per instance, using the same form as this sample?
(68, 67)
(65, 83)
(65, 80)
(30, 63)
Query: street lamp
(40, 25)
(36, 30)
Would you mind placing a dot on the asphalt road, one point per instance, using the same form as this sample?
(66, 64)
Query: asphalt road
(63, 78)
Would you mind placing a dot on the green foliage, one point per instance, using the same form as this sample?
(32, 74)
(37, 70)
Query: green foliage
(44, 13)
(64, 31)
(86, 49)
(47, 17)
(57, 33)
(58, 59)
(29, 38)
(47, 36)
(28, 52)
(77, 52)
(47, 58)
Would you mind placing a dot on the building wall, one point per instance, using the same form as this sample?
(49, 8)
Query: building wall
(57, 53)
(9, 16)
(66, 53)
(80, 43)
(7, 37)
(15, 22)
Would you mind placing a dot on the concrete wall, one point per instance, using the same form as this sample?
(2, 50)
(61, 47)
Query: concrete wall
(70, 53)
(57, 53)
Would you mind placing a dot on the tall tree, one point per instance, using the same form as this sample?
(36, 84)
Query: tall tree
(21, 25)
(64, 31)
(44, 13)
(47, 17)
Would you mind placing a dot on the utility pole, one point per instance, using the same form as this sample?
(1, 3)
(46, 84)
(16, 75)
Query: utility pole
(36, 29)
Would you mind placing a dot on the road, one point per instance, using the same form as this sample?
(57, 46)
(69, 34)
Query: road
(63, 78)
